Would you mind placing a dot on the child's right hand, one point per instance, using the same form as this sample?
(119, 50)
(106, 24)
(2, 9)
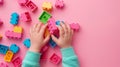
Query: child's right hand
(65, 38)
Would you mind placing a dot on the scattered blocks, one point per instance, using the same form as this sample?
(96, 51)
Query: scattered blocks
(17, 62)
(47, 6)
(2, 64)
(17, 29)
(1, 22)
(55, 59)
(1, 1)
(44, 17)
(26, 17)
(8, 56)
(3, 49)
(27, 43)
(14, 48)
(22, 2)
(14, 18)
(30, 5)
(52, 43)
(75, 26)
(1, 37)
(59, 4)
(13, 35)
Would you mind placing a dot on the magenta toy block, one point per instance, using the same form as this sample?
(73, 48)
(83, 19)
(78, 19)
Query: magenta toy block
(1, 1)
(14, 35)
(1, 22)
(52, 26)
(31, 6)
(22, 2)
(75, 26)
(25, 17)
(59, 4)
(45, 48)
(55, 59)
(17, 62)
(2, 64)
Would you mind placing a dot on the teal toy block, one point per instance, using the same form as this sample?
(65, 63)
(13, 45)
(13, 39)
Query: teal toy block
(14, 18)
(44, 17)
(27, 43)
(3, 49)
(52, 43)
(14, 48)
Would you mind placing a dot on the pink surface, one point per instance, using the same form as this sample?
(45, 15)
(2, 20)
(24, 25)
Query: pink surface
(98, 42)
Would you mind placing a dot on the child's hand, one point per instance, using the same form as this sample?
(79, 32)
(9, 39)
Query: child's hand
(65, 38)
(37, 37)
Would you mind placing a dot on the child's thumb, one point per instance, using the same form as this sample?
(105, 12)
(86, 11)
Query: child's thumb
(47, 39)
(54, 38)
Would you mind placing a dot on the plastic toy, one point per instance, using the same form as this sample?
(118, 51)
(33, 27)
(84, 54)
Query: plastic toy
(27, 43)
(75, 26)
(13, 35)
(1, 22)
(14, 18)
(17, 62)
(57, 22)
(55, 59)
(59, 4)
(1, 37)
(30, 5)
(14, 48)
(17, 29)
(44, 17)
(25, 17)
(3, 49)
(3, 64)
(1, 1)
(47, 6)
(22, 2)
(46, 32)
(8, 56)
(52, 43)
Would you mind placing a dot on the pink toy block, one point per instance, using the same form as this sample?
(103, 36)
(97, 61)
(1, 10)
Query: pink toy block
(25, 17)
(31, 6)
(59, 4)
(55, 59)
(1, 22)
(75, 26)
(17, 62)
(22, 2)
(13, 35)
(45, 48)
(52, 26)
(1, 1)
(2, 64)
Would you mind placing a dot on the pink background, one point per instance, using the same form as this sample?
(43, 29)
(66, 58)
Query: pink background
(97, 44)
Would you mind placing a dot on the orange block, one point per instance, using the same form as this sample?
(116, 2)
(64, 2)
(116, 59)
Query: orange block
(46, 32)
(8, 56)
(0, 37)
(47, 6)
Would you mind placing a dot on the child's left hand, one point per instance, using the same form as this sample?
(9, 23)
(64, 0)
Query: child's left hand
(37, 37)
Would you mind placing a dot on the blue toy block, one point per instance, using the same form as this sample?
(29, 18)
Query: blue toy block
(3, 49)
(27, 43)
(14, 48)
(57, 22)
(52, 43)
(14, 18)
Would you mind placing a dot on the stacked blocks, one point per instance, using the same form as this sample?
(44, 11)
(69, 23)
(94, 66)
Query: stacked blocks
(47, 6)
(1, 22)
(30, 5)
(44, 17)
(1, 37)
(2, 64)
(14, 48)
(52, 43)
(8, 56)
(3, 49)
(26, 17)
(75, 26)
(55, 59)
(14, 18)
(1, 1)
(22, 2)
(59, 4)
(17, 62)
(17, 29)
(27, 43)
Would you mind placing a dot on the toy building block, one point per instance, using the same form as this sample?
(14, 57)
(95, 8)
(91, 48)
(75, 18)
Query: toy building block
(3, 64)
(1, 37)
(75, 26)
(3, 49)
(46, 32)
(59, 4)
(22, 2)
(13, 35)
(8, 56)
(17, 62)
(57, 22)
(14, 18)
(52, 43)
(44, 17)
(1, 22)
(17, 29)
(30, 5)
(27, 43)
(14, 48)
(25, 17)
(47, 6)
(1, 1)
(55, 59)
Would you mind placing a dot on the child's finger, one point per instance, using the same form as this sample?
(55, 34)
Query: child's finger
(61, 32)
(43, 29)
(63, 25)
(54, 38)
(38, 27)
(46, 39)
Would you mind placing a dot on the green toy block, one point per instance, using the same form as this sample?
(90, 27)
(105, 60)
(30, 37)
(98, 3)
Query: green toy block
(44, 17)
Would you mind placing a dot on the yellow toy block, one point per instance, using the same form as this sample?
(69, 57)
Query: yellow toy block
(0, 37)
(8, 56)
(47, 32)
(18, 29)
(47, 6)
